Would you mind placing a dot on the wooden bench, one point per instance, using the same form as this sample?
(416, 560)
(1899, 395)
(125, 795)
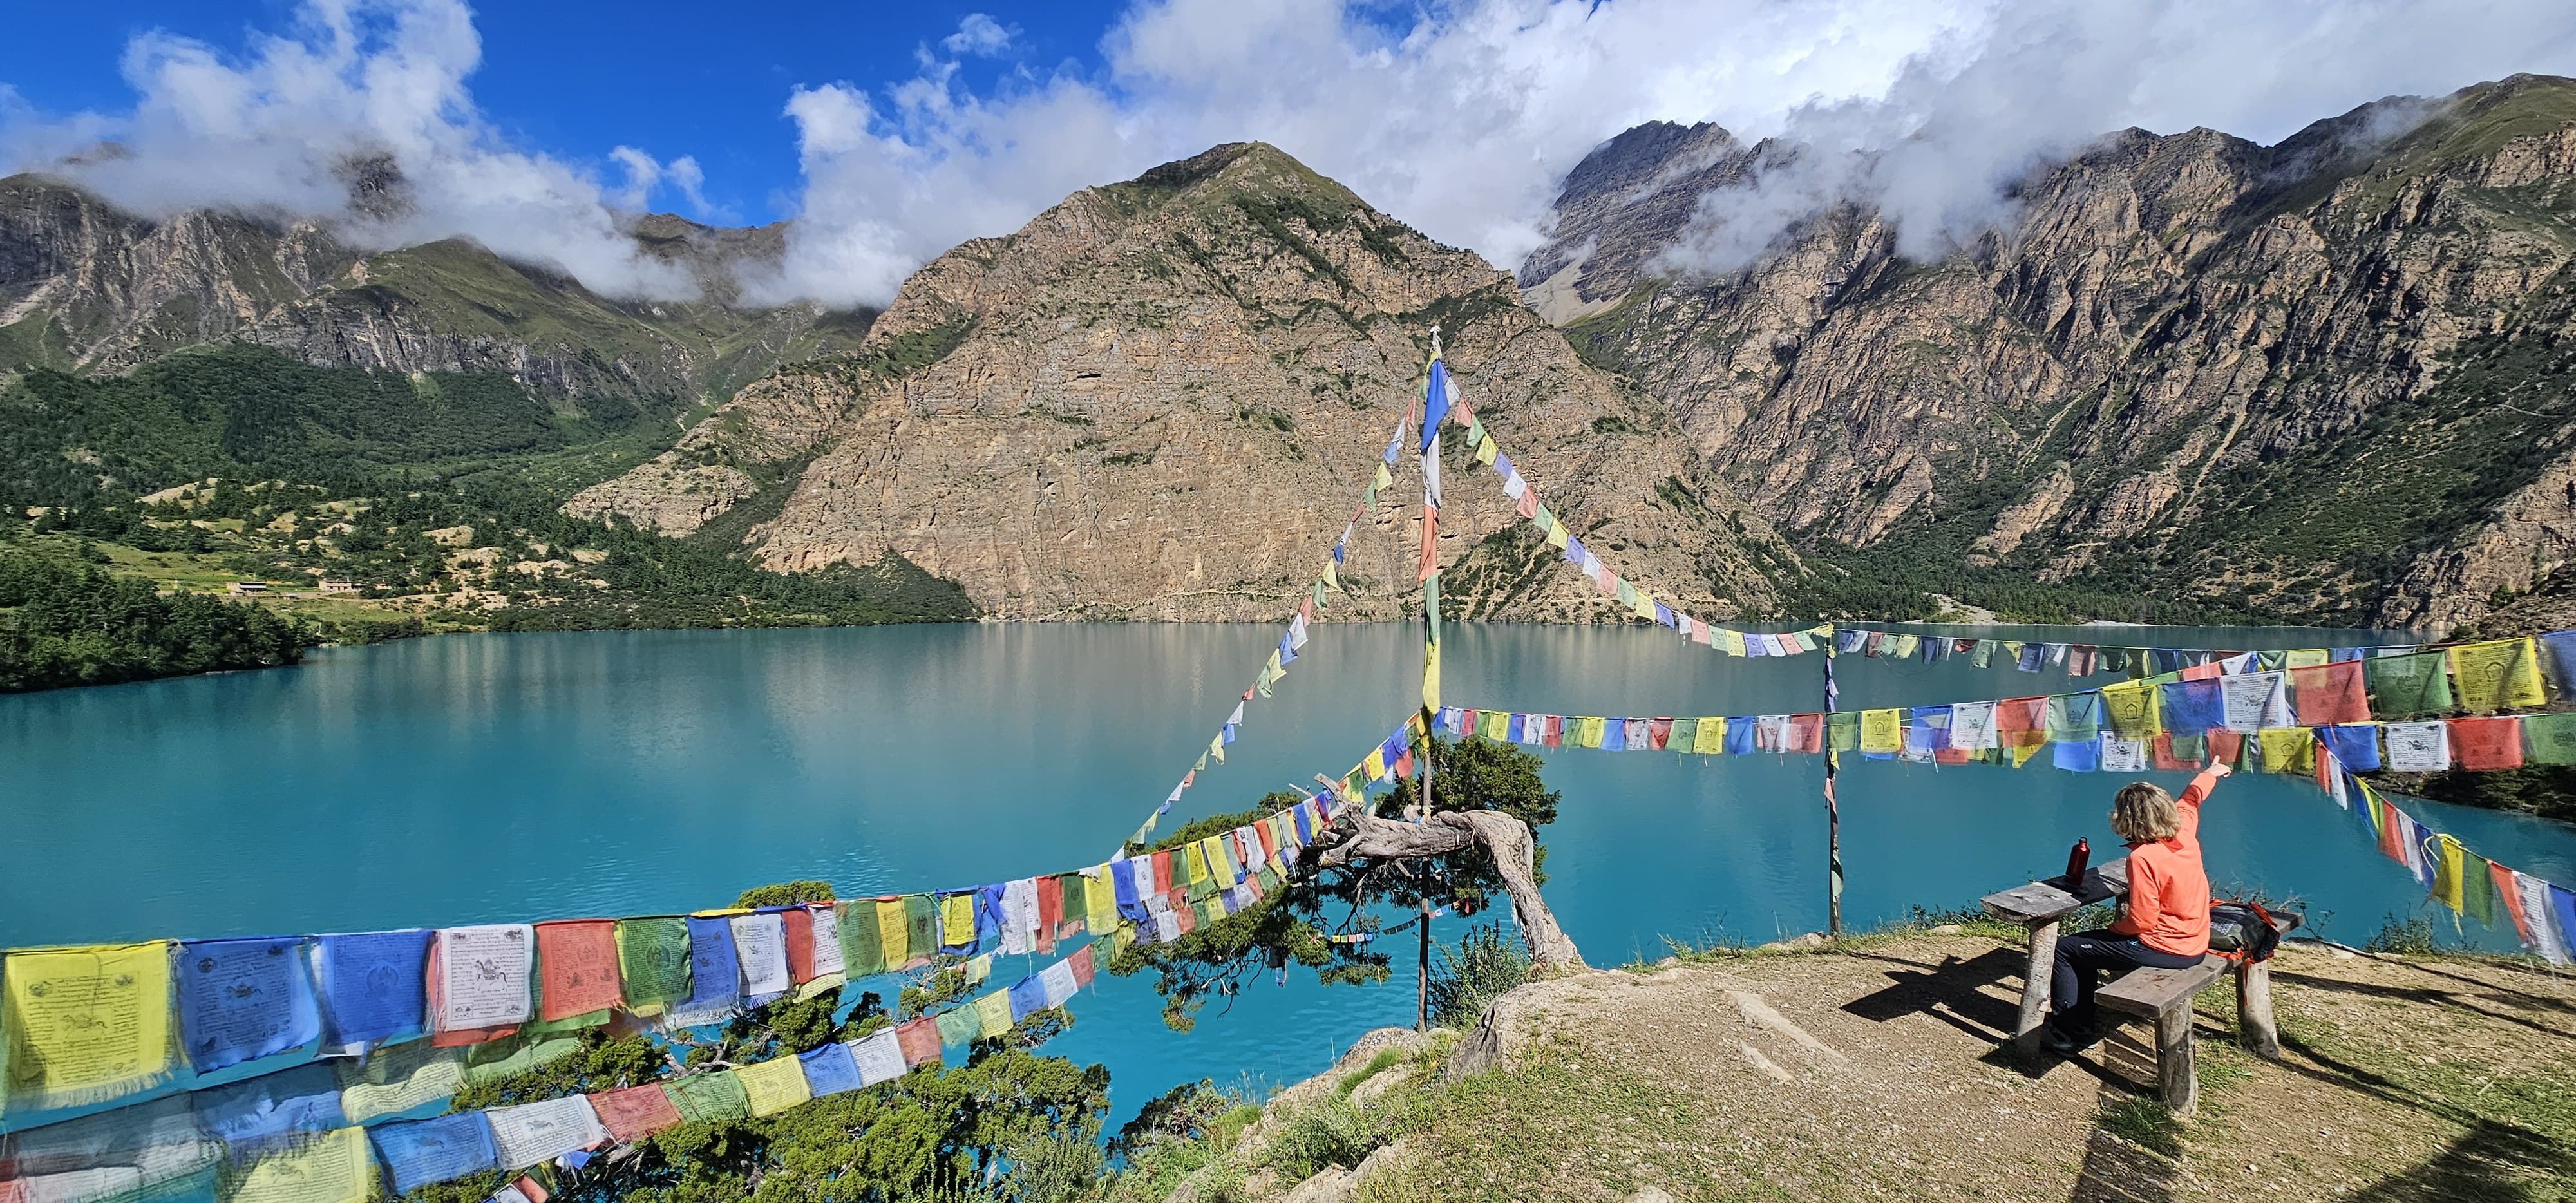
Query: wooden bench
(2164, 996)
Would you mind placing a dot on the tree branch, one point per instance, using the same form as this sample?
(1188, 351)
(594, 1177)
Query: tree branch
(1507, 842)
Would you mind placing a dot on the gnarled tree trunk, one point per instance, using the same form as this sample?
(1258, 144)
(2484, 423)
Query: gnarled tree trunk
(1507, 842)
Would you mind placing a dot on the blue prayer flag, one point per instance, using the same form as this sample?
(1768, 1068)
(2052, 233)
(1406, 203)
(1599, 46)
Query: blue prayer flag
(1435, 404)
(373, 984)
(2033, 656)
(1287, 650)
(240, 1000)
(988, 914)
(829, 1070)
(2563, 902)
(715, 977)
(1574, 551)
(2560, 653)
(1512, 731)
(1122, 885)
(2355, 744)
(268, 1110)
(1663, 615)
(421, 1152)
(2192, 707)
(1739, 736)
(1027, 997)
(2162, 660)
(1614, 735)
(2077, 755)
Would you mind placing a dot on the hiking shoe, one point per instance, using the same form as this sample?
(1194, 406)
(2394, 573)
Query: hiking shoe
(2066, 1043)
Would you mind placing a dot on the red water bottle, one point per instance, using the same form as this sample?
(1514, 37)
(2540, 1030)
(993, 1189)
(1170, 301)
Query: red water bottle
(2077, 859)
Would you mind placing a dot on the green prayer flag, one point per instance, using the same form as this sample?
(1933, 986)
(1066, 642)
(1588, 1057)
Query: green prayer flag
(1982, 657)
(652, 962)
(2477, 887)
(862, 941)
(2407, 686)
(2074, 718)
(493, 1060)
(2549, 738)
(921, 925)
(1685, 733)
(959, 1025)
(1843, 731)
(2190, 748)
(709, 1098)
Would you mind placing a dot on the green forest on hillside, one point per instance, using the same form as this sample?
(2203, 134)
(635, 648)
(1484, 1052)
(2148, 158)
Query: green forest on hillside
(434, 498)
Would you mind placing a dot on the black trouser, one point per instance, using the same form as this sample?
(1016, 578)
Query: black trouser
(2079, 955)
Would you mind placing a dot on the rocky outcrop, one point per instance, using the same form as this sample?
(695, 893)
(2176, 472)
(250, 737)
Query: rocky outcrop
(1161, 399)
(87, 287)
(2267, 380)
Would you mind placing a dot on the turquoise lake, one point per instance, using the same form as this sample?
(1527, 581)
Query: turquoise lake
(487, 778)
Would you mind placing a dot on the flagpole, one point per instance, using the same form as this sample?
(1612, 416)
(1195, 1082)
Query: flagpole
(1430, 658)
(1833, 810)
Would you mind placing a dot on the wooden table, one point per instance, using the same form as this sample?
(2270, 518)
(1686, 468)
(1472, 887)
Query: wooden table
(2037, 907)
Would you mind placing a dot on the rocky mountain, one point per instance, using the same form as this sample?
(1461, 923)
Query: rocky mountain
(1161, 399)
(87, 287)
(2328, 379)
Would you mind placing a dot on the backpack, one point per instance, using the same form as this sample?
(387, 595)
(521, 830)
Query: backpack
(2242, 931)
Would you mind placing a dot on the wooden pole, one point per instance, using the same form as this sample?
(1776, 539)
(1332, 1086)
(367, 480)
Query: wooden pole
(1833, 810)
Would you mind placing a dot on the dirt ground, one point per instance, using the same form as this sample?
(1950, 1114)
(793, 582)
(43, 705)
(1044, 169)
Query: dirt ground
(1876, 1072)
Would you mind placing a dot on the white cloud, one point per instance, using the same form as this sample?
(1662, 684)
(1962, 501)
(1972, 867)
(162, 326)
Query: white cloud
(2036, 82)
(646, 176)
(358, 80)
(979, 34)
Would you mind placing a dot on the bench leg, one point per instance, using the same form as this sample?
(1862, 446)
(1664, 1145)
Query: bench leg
(2254, 1009)
(2035, 988)
(2175, 1081)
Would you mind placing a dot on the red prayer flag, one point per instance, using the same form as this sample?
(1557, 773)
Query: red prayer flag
(1659, 731)
(1806, 733)
(2226, 746)
(799, 925)
(919, 1041)
(635, 1112)
(1163, 869)
(577, 964)
(2022, 722)
(2392, 832)
(1555, 731)
(1050, 913)
(1404, 765)
(1528, 507)
(2487, 743)
(2204, 672)
(2510, 891)
(531, 1190)
(2329, 694)
(1081, 963)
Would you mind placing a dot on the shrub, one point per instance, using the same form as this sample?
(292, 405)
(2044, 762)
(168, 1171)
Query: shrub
(1483, 965)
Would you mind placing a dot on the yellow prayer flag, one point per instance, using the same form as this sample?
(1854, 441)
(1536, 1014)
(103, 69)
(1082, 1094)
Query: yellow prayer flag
(1430, 678)
(331, 1167)
(2305, 657)
(1485, 451)
(1216, 749)
(957, 921)
(1711, 738)
(1882, 731)
(85, 1025)
(2021, 753)
(1375, 766)
(978, 969)
(994, 1012)
(774, 1085)
(1220, 867)
(1331, 581)
(893, 933)
(1644, 607)
(1556, 536)
(1194, 859)
(2448, 862)
(2502, 675)
(2287, 749)
(1384, 477)
(1100, 903)
(1731, 642)
(2132, 709)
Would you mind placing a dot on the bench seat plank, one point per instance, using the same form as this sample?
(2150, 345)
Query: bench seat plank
(2151, 992)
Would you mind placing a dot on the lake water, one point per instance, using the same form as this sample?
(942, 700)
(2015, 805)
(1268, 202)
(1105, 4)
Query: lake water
(487, 778)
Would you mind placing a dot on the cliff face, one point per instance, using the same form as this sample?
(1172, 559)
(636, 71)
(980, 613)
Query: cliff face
(87, 287)
(1160, 399)
(2327, 379)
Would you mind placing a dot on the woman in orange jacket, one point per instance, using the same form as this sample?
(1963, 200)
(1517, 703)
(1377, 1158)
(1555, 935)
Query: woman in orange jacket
(2165, 923)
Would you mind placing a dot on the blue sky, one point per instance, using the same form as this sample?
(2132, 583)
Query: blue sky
(886, 134)
(580, 78)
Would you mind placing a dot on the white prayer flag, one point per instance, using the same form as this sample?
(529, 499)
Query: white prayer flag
(827, 941)
(879, 1058)
(1057, 980)
(535, 1133)
(2123, 755)
(483, 975)
(1972, 726)
(2419, 747)
(760, 947)
(2251, 702)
